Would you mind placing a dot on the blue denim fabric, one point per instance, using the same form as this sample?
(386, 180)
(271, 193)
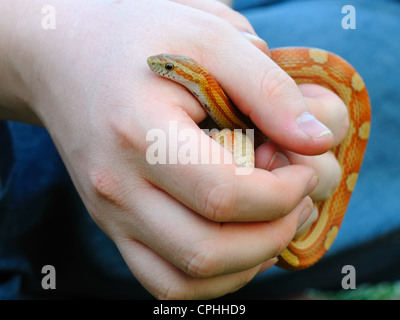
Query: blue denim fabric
(43, 221)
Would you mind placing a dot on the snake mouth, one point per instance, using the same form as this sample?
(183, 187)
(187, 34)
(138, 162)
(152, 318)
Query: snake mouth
(154, 64)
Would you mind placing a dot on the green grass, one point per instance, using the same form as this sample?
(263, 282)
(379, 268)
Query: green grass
(379, 291)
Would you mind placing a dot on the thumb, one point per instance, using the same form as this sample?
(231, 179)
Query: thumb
(256, 84)
(267, 94)
(272, 100)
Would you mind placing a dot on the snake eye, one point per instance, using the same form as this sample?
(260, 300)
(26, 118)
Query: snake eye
(169, 66)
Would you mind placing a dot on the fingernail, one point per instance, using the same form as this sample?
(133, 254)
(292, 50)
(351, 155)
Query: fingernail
(304, 216)
(311, 126)
(307, 224)
(311, 185)
(253, 37)
(267, 264)
(278, 160)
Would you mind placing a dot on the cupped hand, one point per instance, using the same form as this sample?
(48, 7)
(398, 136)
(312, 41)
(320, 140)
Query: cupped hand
(185, 230)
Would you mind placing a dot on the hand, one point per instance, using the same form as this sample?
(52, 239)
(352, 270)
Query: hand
(331, 110)
(88, 83)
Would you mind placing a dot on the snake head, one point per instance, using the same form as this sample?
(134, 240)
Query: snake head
(180, 69)
(162, 64)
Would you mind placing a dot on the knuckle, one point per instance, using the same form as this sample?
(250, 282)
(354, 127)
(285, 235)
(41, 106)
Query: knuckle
(219, 202)
(223, 33)
(218, 25)
(203, 262)
(274, 83)
(103, 182)
(107, 185)
(235, 18)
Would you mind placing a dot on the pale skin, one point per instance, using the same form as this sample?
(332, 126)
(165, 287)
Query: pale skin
(88, 84)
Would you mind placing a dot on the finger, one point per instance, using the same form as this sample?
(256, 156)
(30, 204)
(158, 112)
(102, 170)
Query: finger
(271, 156)
(212, 190)
(164, 281)
(328, 108)
(201, 248)
(307, 224)
(216, 190)
(168, 94)
(222, 11)
(231, 16)
(267, 264)
(327, 169)
(265, 93)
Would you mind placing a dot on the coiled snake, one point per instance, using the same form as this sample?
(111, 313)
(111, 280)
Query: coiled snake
(304, 65)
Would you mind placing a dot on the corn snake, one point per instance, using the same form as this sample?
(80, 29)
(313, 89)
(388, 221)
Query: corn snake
(304, 65)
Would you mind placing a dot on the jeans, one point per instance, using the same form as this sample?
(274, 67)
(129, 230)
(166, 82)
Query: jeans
(43, 221)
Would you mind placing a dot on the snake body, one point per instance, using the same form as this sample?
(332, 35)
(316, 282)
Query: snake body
(304, 65)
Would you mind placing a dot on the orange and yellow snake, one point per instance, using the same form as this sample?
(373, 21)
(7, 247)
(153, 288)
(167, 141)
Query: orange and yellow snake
(304, 65)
